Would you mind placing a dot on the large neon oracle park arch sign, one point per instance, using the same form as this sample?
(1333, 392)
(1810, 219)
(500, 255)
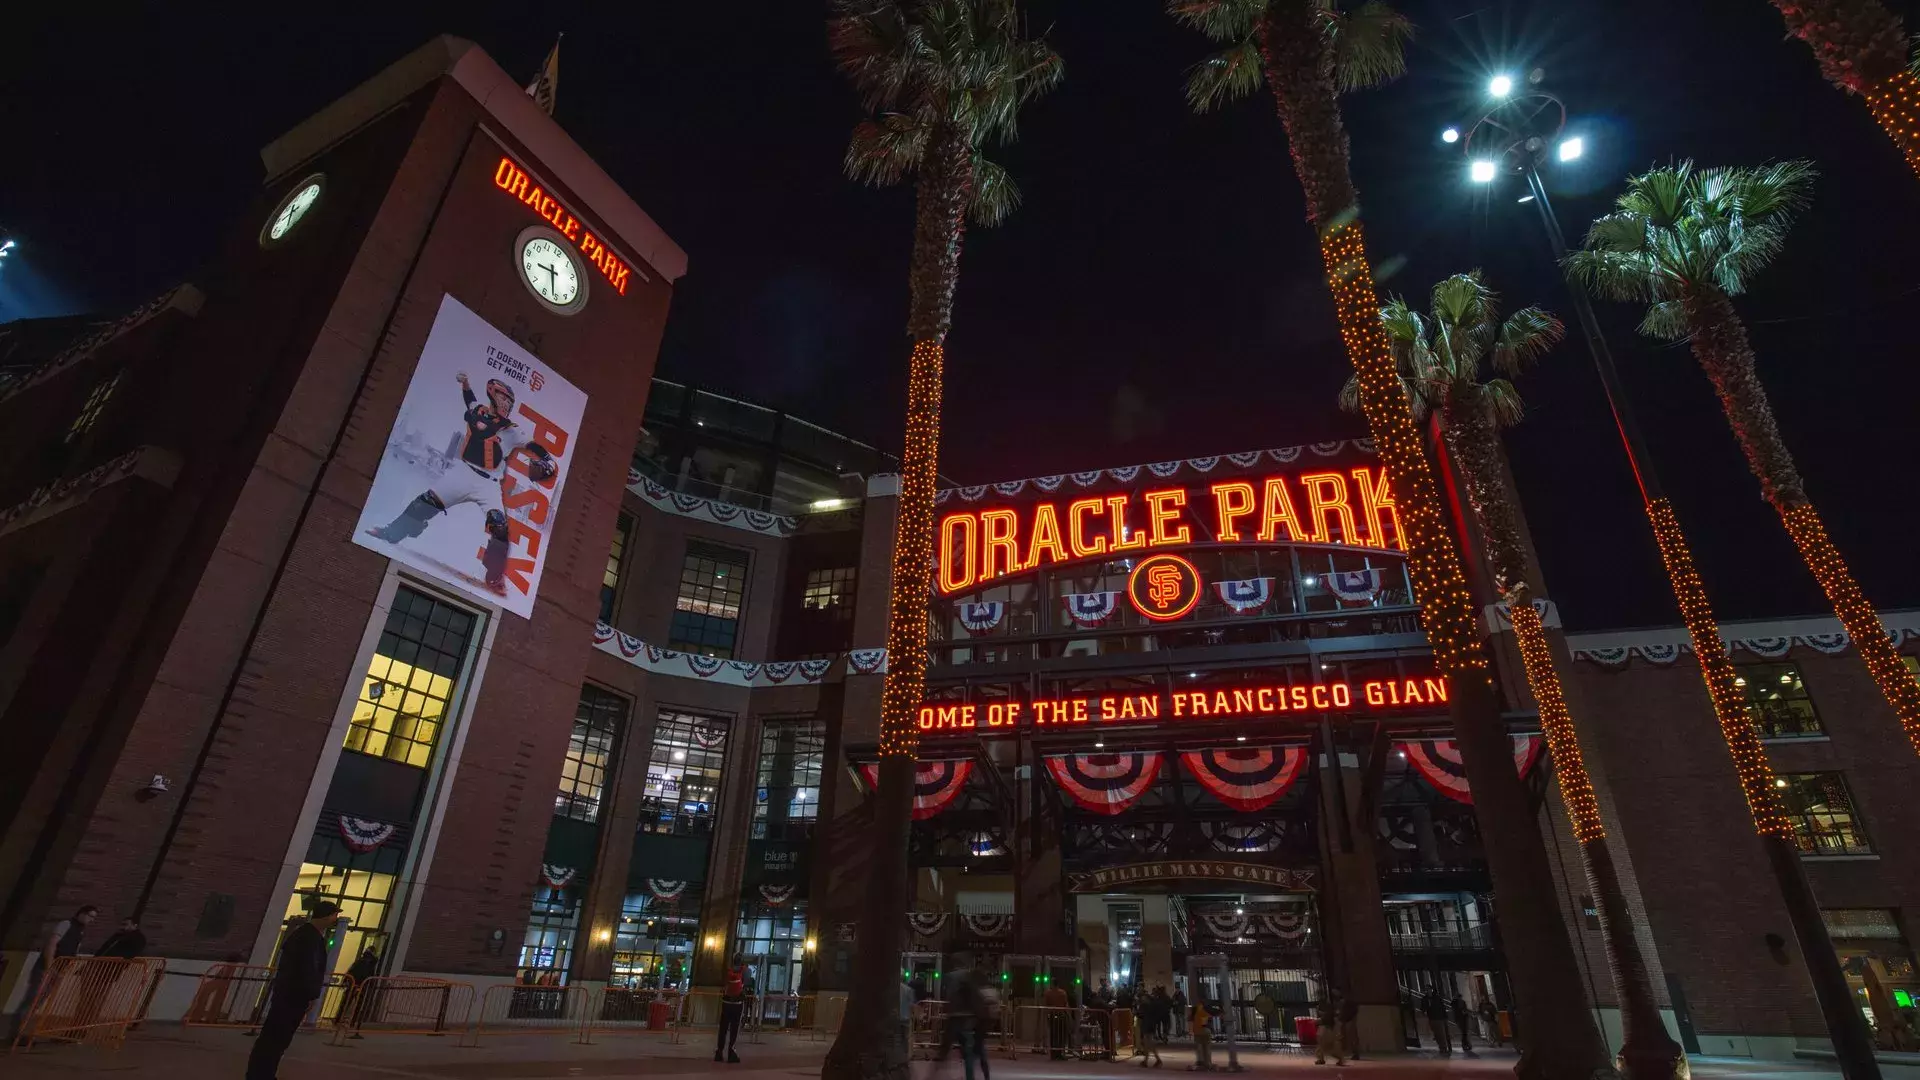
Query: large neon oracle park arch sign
(1351, 508)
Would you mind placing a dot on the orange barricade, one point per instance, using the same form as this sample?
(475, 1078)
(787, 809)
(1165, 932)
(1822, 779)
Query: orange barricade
(618, 1009)
(406, 1005)
(928, 1026)
(779, 1012)
(526, 1010)
(89, 999)
(237, 995)
(1125, 1032)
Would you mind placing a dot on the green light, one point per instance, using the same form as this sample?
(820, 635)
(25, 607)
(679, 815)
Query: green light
(1902, 999)
(1004, 976)
(1076, 980)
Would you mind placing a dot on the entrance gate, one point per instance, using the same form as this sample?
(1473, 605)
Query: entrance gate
(1208, 979)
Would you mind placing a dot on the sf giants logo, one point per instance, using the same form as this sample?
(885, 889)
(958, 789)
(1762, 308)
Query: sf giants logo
(1163, 587)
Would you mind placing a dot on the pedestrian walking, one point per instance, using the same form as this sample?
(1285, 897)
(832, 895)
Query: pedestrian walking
(1163, 1010)
(1179, 1012)
(1490, 1022)
(1350, 1026)
(1327, 1015)
(63, 940)
(125, 943)
(970, 1008)
(297, 983)
(1202, 1036)
(1148, 1023)
(359, 997)
(733, 1003)
(1436, 1011)
(1461, 1019)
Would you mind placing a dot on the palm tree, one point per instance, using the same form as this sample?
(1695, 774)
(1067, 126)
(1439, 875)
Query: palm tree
(942, 80)
(1686, 241)
(1440, 357)
(1862, 49)
(1305, 52)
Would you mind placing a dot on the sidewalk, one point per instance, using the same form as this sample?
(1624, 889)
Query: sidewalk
(164, 1052)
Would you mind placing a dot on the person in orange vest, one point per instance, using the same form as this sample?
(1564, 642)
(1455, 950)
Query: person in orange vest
(733, 1002)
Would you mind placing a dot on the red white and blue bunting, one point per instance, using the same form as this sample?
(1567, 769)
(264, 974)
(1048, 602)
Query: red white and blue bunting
(1500, 615)
(1246, 778)
(363, 834)
(1769, 641)
(1286, 925)
(557, 877)
(987, 925)
(926, 923)
(1159, 470)
(1245, 596)
(1090, 609)
(709, 737)
(1225, 927)
(666, 888)
(982, 845)
(1242, 837)
(777, 895)
(713, 510)
(661, 661)
(982, 617)
(936, 784)
(1105, 783)
(1355, 586)
(1438, 762)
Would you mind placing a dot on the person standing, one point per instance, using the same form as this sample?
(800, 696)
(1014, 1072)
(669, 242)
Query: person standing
(1436, 1011)
(1179, 1011)
(1328, 1041)
(297, 982)
(62, 941)
(1490, 1021)
(1349, 1018)
(1202, 1036)
(125, 943)
(733, 1002)
(1461, 1019)
(1059, 1020)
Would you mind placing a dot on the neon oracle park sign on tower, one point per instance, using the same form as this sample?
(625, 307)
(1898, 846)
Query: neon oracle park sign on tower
(1346, 507)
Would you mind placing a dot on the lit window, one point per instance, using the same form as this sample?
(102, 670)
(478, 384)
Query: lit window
(1777, 700)
(610, 580)
(786, 800)
(1821, 809)
(547, 952)
(410, 681)
(830, 591)
(583, 775)
(361, 883)
(653, 947)
(90, 410)
(773, 939)
(683, 774)
(713, 586)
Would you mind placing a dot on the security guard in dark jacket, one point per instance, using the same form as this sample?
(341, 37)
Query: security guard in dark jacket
(297, 982)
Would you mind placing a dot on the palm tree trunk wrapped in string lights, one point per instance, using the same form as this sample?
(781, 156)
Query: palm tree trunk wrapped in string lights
(1862, 48)
(941, 79)
(1305, 51)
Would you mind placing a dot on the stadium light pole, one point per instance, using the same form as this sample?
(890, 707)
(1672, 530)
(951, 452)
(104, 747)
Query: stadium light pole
(1515, 137)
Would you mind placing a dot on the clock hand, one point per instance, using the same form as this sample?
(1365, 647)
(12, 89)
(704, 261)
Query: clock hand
(552, 285)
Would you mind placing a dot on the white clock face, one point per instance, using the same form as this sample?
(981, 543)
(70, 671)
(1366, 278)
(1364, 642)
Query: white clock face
(550, 271)
(293, 209)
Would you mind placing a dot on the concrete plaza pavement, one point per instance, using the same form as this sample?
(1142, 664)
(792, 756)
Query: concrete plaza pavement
(165, 1052)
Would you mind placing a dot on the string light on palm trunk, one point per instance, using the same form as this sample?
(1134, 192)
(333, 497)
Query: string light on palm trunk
(1446, 603)
(1895, 103)
(1729, 705)
(1570, 768)
(1862, 623)
(912, 555)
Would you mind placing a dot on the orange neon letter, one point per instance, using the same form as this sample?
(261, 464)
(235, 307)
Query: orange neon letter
(1124, 539)
(1077, 540)
(1163, 507)
(1046, 537)
(1279, 511)
(959, 536)
(1327, 494)
(997, 528)
(1375, 497)
(1234, 499)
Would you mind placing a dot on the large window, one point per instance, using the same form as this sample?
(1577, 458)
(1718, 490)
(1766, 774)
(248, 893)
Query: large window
(596, 732)
(773, 939)
(713, 586)
(786, 799)
(362, 893)
(683, 774)
(616, 557)
(830, 591)
(1821, 809)
(1777, 700)
(410, 681)
(653, 948)
(547, 953)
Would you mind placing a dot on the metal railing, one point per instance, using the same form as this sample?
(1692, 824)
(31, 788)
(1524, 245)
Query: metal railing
(89, 999)
(408, 1005)
(528, 1010)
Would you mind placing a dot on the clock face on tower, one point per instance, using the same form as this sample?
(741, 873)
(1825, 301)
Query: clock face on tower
(550, 270)
(292, 209)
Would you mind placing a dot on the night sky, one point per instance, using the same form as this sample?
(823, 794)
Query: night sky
(1159, 294)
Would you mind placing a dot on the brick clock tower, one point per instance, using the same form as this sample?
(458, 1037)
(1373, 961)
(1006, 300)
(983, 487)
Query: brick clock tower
(308, 611)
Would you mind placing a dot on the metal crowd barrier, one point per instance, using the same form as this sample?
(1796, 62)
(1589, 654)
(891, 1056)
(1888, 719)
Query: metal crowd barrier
(622, 1009)
(1123, 1037)
(1043, 1029)
(230, 995)
(928, 1027)
(781, 1012)
(89, 999)
(407, 1005)
(527, 1010)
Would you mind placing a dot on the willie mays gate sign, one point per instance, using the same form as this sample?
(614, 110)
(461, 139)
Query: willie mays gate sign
(1172, 875)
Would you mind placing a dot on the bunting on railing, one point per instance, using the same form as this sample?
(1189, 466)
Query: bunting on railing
(777, 895)
(1225, 927)
(987, 925)
(1105, 783)
(558, 877)
(936, 784)
(982, 617)
(1771, 641)
(1285, 925)
(1355, 586)
(1246, 778)
(363, 835)
(926, 923)
(1160, 470)
(666, 888)
(1090, 609)
(1245, 596)
(1438, 762)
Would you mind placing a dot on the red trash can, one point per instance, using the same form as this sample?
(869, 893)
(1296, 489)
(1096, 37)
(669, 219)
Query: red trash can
(658, 1014)
(1308, 1029)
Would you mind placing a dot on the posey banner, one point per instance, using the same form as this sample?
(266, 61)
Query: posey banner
(469, 487)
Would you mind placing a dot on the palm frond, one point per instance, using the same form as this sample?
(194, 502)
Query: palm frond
(1666, 320)
(1369, 43)
(994, 194)
(1776, 191)
(1615, 275)
(1658, 194)
(1221, 20)
(1402, 323)
(1503, 402)
(1525, 336)
(882, 151)
(1225, 77)
(1349, 399)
